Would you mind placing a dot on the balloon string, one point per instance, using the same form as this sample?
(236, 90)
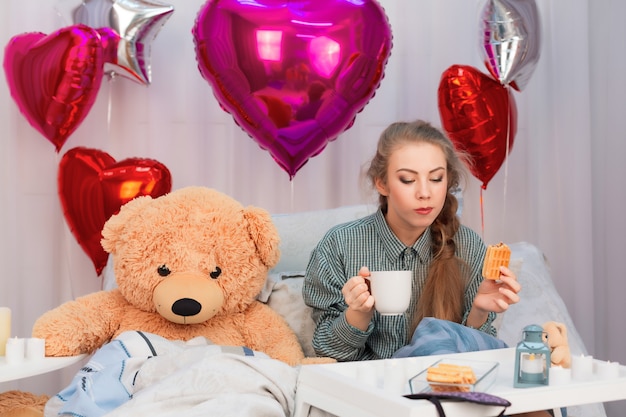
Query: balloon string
(292, 198)
(68, 251)
(110, 103)
(506, 157)
(482, 212)
(67, 234)
(109, 117)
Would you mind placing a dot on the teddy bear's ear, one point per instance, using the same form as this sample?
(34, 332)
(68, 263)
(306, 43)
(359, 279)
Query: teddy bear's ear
(562, 328)
(264, 234)
(116, 224)
(559, 326)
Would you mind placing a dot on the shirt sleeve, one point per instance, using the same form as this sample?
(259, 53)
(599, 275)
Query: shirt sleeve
(324, 278)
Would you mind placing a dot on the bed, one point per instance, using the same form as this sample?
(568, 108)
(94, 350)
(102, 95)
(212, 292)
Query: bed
(234, 384)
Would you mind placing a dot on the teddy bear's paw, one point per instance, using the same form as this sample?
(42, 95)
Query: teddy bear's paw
(23, 412)
(22, 404)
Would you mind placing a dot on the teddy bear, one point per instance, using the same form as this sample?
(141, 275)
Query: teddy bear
(556, 339)
(189, 263)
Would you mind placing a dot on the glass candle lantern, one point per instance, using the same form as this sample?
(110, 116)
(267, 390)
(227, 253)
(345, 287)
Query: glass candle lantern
(532, 359)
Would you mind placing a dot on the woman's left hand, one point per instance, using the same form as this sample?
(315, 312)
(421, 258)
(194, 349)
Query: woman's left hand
(497, 296)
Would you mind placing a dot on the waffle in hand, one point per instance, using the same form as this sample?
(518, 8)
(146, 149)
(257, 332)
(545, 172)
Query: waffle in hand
(497, 256)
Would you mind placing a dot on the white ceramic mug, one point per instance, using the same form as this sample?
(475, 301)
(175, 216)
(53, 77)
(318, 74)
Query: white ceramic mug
(391, 291)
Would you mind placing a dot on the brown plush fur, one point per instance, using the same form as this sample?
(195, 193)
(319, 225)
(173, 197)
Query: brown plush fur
(192, 244)
(21, 404)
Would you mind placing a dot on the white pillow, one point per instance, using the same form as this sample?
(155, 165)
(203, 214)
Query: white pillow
(540, 301)
(300, 232)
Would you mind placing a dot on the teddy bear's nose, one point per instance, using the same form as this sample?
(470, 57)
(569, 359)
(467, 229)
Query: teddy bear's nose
(186, 307)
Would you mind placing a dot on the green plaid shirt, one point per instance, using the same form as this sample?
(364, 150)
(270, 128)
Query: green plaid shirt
(369, 242)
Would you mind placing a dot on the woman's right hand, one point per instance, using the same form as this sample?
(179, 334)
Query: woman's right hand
(359, 300)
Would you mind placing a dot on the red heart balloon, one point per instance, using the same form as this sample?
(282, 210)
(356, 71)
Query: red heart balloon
(93, 187)
(55, 79)
(293, 74)
(480, 116)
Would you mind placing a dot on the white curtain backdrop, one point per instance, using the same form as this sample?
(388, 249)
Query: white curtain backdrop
(559, 189)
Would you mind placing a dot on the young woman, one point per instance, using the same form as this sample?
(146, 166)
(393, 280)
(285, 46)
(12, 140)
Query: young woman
(416, 228)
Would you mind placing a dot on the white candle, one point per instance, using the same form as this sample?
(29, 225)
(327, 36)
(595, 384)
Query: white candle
(560, 375)
(582, 367)
(608, 370)
(35, 348)
(5, 327)
(14, 351)
(532, 364)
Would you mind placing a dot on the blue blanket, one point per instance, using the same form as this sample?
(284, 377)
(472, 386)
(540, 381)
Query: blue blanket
(434, 336)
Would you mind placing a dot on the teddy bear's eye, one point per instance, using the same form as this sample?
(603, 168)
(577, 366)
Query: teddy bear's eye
(216, 273)
(163, 270)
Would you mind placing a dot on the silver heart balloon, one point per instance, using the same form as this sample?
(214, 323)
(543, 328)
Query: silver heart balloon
(511, 38)
(127, 28)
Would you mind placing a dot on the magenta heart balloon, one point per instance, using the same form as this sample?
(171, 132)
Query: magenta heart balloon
(293, 74)
(54, 79)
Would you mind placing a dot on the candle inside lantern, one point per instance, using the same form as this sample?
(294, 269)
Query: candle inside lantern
(5, 328)
(532, 358)
(14, 351)
(532, 363)
(582, 367)
(560, 375)
(608, 370)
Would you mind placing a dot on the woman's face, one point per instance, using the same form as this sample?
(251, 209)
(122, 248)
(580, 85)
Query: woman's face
(416, 189)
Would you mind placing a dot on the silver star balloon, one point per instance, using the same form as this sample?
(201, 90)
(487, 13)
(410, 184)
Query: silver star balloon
(511, 40)
(127, 28)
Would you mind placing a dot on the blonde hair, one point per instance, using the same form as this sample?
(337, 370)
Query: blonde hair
(443, 293)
